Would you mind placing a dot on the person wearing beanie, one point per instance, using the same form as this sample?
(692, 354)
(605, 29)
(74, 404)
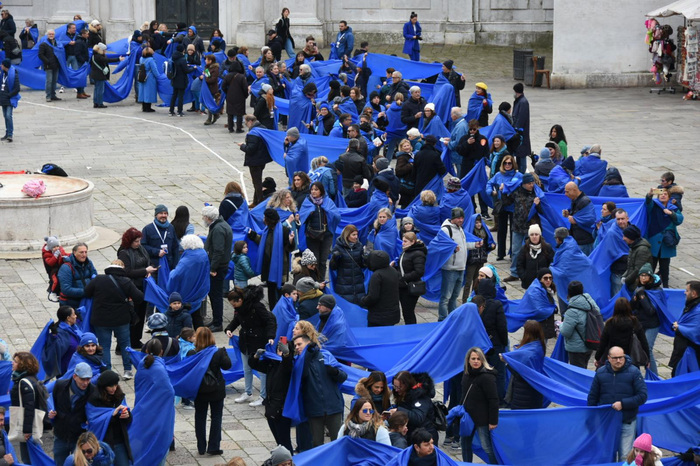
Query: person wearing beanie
(52, 254)
(235, 86)
(640, 254)
(535, 255)
(382, 299)
(521, 120)
(159, 239)
(386, 174)
(218, 246)
(477, 257)
(646, 310)
(180, 79)
(544, 165)
(177, 314)
(643, 453)
(452, 184)
(407, 225)
(307, 266)
(326, 303)
(88, 352)
(427, 163)
(110, 395)
(456, 79)
(9, 96)
(480, 105)
(358, 196)
(158, 325)
(269, 186)
(309, 294)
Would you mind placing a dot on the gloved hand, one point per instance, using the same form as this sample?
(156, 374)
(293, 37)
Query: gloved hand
(284, 349)
(259, 353)
(332, 371)
(688, 455)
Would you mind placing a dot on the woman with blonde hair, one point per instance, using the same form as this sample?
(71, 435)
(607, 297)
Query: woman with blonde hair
(480, 402)
(304, 327)
(404, 172)
(99, 72)
(384, 235)
(364, 421)
(503, 182)
(90, 451)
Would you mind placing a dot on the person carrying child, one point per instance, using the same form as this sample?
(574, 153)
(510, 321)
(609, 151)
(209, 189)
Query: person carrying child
(52, 255)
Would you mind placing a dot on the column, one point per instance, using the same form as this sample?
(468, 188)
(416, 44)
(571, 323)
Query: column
(251, 26)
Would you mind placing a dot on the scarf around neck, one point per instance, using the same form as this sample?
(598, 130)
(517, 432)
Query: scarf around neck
(357, 430)
(316, 200)
(535, 250)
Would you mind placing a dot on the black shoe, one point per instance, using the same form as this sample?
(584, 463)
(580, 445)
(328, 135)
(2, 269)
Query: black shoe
(500, 258)
(118, 351)
(239, 131)
(215, 453)
(55, 98)
(137, 345)
(4, 137)
(8, 139)
(511, 279)
(191, 109)
(208, 324)
(216, 328)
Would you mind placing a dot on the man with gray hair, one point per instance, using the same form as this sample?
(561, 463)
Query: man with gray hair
(412, 109)
(296, 154)
(460, 127)
(50, 63)
(398, 85)
(218, 246)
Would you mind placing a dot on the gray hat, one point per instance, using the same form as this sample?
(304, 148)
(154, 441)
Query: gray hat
(327, 300)
(561, 233)
(293, 132)
(83, 370)
(279, 455)
(161, 208)
(457, 212)
(406, 220)
(452, 182)
(266, 88)
(51, 242)
(382, 163)
(157, 321)
(306, 284)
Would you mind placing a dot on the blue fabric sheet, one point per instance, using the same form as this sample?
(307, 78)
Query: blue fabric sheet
(476, 104)
(534, 305)
(571, 264)
(378, 63)
(444, 98)
(332, 218)
(440, 250)
(316, 145)
(190, 278)
(591, 170)
(363, 217)
(99, 418)
(386, 239)
(499, 125)
(276, 272)
(286, 316)
(337, 332)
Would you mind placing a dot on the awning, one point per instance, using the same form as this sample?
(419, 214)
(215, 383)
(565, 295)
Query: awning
(688, 8)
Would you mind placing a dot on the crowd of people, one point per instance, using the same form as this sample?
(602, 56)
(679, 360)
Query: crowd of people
(355, 230)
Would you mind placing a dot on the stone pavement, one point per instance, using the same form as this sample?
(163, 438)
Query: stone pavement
(138, 160)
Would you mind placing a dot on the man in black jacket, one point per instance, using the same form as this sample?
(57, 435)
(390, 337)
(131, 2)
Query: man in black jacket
(494, 320)
(68, 416)
(521, 122)
(256, 157)
(218, 246)
(50, 62)
(179, 81)
(82, 56)
(351, 164)
(427, 164)
(275, 43)
(457, 80)
(8, 90)
(382, 300)
(684, 339)
(412, 109)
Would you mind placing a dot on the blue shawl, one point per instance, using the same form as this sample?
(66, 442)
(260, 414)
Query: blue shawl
(586, 218)
(99, 418)
(297, 159)
(97, 367)
(386, 238)
(396, 129)
(332, 217)
(591, 169)
(440, 250)
(571, 264)
(443, 459)
(348, 106)
(613, 190)
(337, 331)
(470, 224)
(460, 198)
(427, 220)
(276, 273)
(302, 111)
(444, 98)
(190, 278)
(287, 317)
(475, 105)
(534, 305)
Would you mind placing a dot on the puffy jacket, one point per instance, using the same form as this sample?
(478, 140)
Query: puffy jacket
(74, 277)
(418, 405)
(480, 396)
(626, 385)
(104, 457)
(493, 317)
(33, 397)
(218, 245)
(180, 80)
(347, 260)
(529, 267)
(109, 306)
(619, 333)
(258, 325)
(643, 308)
(242, 269)
(320, 385)
(409, 110)
(413, 263)
(382, 300)
(177, 320)
(256, 153)
(573, 327)
(279, 374)
(67, 425)
(458, 261)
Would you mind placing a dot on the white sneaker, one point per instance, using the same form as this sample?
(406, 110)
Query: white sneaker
(243, 398)
(128, 375)
(257, 402)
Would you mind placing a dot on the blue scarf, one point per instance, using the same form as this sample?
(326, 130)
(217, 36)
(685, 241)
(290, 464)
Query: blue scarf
(337, 331)
(276, 272)
(534, 305)
(332, 217)
(476, 104)
(386, 238)
(658, 221)
(77, 393)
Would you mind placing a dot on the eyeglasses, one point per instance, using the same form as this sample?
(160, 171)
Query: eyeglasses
(547, 277)
(507, 163)
(663, 181)
(368, 411)
(616, 357)
(87, 451)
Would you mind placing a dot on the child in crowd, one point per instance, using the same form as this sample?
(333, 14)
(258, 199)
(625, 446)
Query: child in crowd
(178, 315)
(52, 255)
(242, 271)
(398, 426)
(406, 226)
(186, 341)
(358, 196)
(476, 258)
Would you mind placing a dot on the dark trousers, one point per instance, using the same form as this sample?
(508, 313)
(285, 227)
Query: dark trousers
(503, 219)
(200, 424)
(280, 427)
(321, 249)
(136, 329)
(304, 441)
(256, 173)
(484, 209)
(273, 295)
(408, 306)
(493, 358)
(317, 424)
(198, 317)
(216, 297)
(580, 359)
(239, 123)
(179, 95)
(664, 268)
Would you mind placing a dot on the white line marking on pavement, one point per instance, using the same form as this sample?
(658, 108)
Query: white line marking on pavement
(689, 273)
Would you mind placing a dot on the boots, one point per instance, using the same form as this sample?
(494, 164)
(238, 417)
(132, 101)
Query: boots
(494, 229)
(209, 119)
(146, 107)
(192, 108)
(216, 117)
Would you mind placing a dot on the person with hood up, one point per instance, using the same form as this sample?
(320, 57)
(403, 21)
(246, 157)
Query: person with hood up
(382, 299)
(494, 319)
(413, 395)
(544, 165)
(561, 175)
(193, 38)
(411, 267)
(573, 327)
(178, 315)
(235, 87)
(535, 255)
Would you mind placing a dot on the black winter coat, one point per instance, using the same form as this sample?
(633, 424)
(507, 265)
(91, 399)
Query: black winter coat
(319, 385)
(230, 204)
(117, 432)
(236, 88)
(350, 165)
(643, 308)
(180, 80)
(529, 267)
(219, 245)
(258, 324)
(409, 109)
(282, 29)
(418, 405)
(579, 234)
(81, 50)
(11, 90)
(67, 425)
(457, 82)
(382, 299)
(279, 374)
(262, 113)
(219, 360)
(523, 395)
(522, 201)
(48, 56)
(98, 62)
(255, 149)
(620, 334)
(427, 164)
(493, 317)
(480, 396)
(33, 397)
(109, 306)
(347, 260)
(681, 342)
(267, 253)
(413, 262)
(471, 153)
(135, 263)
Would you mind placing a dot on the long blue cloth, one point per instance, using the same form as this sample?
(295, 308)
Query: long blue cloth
(434, 127)
(316, 145)
(378, 63)
(332, 217)
(297, 159)
(440, 250)
(77, 358)
(276, 272)
(592, 172)
(348, 451)
(150, 441)
(534, 305)
(210, 102)
(427, 220)
(499, 125)
(37, 455)
(303, 112)
(571, 264)
(476, 104)
(386, 239)
(461, 198)
(444, 98)
(190, 278)
(363, 217)
(99, 418)
(286, 316)
(396, 129)
(337, 331)
(470, 223)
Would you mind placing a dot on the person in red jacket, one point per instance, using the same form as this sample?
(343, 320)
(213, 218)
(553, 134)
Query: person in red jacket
(52, 255)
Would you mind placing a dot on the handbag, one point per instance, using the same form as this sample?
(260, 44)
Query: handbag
(497, 205)
(637, 354)
(671, 238)
(209, 383)
(105, 70)
(416, 288)
(135, 319)
(17, 419)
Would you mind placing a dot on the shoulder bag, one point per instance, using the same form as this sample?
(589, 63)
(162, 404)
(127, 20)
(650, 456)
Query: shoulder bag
(17, 418)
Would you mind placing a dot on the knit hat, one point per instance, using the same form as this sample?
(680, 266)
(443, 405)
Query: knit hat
(519, 88)
(269, 183)
(431, 140)
(293, 132)
(161, 208)
(101, 46)
(88, 338)
(453, 183)
(327, 300)
(271, 215)
(430, 106)
(175, 297)
(448, 64)
(542, 272)
(6, 63)
(157, 321)
(534, 228)
(83, 370)
(501, 137)
(569, 163)
(545, 155)
(482, 86)
(407, 221)
(413, 133)
(373, 94)
(308, 258)
(358, 179)
(382, 163)
(643, 442)
(632, 233)
(528, 178)
(486, 271)
(266, 88)
(108, 378)
(271, 31)
(279, 455)
(51, 242)
(457, 212)
(646, 269)
(306, 284)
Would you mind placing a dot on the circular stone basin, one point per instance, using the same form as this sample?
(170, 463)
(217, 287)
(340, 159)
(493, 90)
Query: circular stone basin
(65, 210)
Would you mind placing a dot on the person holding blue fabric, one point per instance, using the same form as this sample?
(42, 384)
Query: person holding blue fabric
(319, 216)
(663, 219)
(499, 150)
(9, 96)
(535, 255)
(89, 352)
(412, 109)
(344, 40)
(607, 213)
(412, 37)
(523, 395)
(411, 266)
(480, 402)
(639, 255)
(522, 199)
(64, 340)
(100, 72)
(28, 392)
(428, 163)
(47, 55)
(159, 238)
(686, 338)
(68, 416)
(581, 216)
(480, 105)
(384, 233)
(6, 458)
(148, 90)
(647, 310)
(74, 275)
(110, 395)
(71, 57)
(89, 450)
(179, 81)
(620, 384)
(573, 327)
(30, 34)
(348, 262)
(506, 179)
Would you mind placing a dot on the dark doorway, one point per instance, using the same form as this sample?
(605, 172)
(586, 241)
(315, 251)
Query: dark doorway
(204, 14)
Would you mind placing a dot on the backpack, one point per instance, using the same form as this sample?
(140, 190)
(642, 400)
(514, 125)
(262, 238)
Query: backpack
(594, 329)
(53, 169)
(169, 67)
(440, 414)
(141, 77)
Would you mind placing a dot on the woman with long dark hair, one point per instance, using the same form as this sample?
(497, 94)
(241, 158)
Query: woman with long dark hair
(411, 267)
(301, 184)
(62, 342)
(619, 331)
(375, 388)
(110, 395)
(523, 395)
(646, 309)
(282, 29)
(556, 134)
(25, 385)
(181, 223)
(413, 394)
(320, 216)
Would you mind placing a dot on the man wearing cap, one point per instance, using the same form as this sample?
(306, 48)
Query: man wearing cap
(9, 96)
(68, 416)
(581, 215)
(235, 86)
(48, 58)
(457, 80)
(351, 164)
(640, 254)
(159, 238)
(218, 246)
(453, 269)
(275, 43)
(480, 105)
(309, 294)
(95, 36)
(296, 154)
(521, 122)
(256, 157)
(427, 164)
(522, 199)
(412, 109)
(326, 304)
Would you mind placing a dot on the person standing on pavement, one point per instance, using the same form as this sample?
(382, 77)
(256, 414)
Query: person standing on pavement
(640, 254)
(685, 338)
(28, 392)
(71, 49)
(582, 217)
(74, 275)
(47, 55)
(6, 458)
(282, 29)
(412, 37)
(179, 81)
(344, 40)
(412, 109)
(256, 157)
(573, 327)
(218, 246)
(521, 123)
(99, 72)
(427, 163)
(235, 87)
(159, 238)
(382, 299)
(9, 96)
(620, 383)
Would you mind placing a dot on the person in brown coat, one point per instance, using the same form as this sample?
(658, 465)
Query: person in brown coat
(236, 88)
(211, 78)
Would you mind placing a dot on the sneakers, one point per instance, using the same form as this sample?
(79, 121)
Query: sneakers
(447, 442)
(128, 375)
(456, 446)
(243, 398)
(257, 402)
(188, 407)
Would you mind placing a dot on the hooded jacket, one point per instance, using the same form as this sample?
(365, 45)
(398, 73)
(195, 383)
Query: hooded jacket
(640, 254)
(258, 325)
(643, 308)
(319, 385)
(573, 327)
(619, 333)
(110, 307)
(218, 245)
(493, 317)
(382, 299)
(413, 262)
(418, 405)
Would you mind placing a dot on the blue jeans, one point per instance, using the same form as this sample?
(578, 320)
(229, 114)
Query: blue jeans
(72, 62)
(248, 378)
(104, 337)
(240, 283)
(651, 334)
(7, 114)
(61, 450)
(485, 439)
(615, 284)
(587, 249)
(50, 84)
(288, 48)
(99, 93)
(121, 456)
(627, 435)
(196, 89)
(449, 292)
(516, 244)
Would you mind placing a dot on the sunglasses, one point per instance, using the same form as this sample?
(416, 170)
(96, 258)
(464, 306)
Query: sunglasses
(368, 411)
(548, 278)
(87, 451)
